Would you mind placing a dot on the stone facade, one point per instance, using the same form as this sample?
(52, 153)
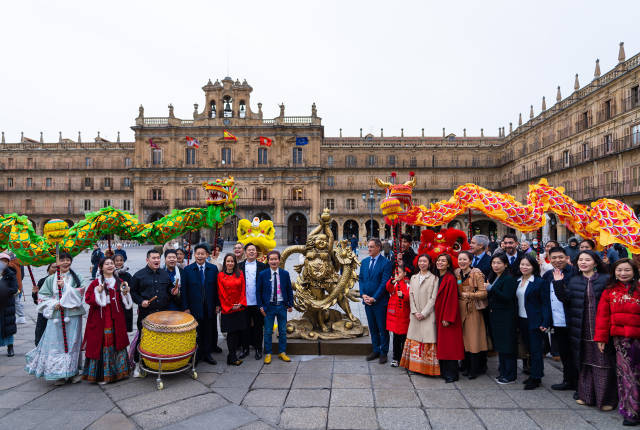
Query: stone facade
(587, 142)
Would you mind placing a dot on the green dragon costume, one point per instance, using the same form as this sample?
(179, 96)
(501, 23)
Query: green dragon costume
(17, 233)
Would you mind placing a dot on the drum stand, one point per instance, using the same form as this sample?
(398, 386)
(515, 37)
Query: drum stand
(159, 384)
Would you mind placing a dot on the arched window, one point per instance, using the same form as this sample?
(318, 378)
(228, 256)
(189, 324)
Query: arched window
(228, 106)
(297, 194)
(212, 109)
(243, 109)
(261, 193)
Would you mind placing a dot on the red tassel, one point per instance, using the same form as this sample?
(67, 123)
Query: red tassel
(412, 174)
(394, 174)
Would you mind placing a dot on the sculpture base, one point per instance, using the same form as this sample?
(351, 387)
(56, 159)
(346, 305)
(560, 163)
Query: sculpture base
(338, 326)
(355, 346)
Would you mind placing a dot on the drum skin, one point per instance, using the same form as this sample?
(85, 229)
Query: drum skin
(165, 335)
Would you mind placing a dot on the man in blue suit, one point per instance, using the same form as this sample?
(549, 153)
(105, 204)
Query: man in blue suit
(199, 291)
(375, 271)
(274, 295)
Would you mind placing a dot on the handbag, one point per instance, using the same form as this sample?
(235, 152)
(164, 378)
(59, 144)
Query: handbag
(481, 303)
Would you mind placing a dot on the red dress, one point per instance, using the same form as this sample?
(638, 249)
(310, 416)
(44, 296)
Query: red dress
(104, 317)
(398, 309)
(450, 345)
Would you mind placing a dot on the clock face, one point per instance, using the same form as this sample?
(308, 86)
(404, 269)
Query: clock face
(226, 121)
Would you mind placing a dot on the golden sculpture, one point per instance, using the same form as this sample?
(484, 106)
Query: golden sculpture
(325, 278)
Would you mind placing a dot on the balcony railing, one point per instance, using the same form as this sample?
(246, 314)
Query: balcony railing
(63, 188)
(156, 204)
(256, 203)
(294, 203)
(189, 203)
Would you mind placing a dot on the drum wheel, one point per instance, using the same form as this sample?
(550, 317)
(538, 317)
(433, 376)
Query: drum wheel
(194, 375)
(159, 385)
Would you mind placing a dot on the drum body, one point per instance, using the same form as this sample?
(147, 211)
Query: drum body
(166, 335)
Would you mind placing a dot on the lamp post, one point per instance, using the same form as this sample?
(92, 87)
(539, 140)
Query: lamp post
(371, 201)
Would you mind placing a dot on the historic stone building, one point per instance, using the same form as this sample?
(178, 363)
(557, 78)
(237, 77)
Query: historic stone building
(587, 142)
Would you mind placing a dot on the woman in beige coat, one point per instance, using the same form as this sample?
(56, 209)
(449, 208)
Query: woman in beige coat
(419, 354)
(472, 297)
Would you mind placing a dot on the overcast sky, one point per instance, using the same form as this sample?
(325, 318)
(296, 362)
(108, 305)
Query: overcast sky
(87, 66)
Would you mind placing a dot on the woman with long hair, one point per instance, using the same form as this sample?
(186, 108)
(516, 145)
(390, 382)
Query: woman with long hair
(233, 304)
(534, 317)
(618, 320)
(450, 344)
(122, 272)
(472, 298)
(503, 310)
(597, 372)
(419, 354)
(105, 337)
(398, 311)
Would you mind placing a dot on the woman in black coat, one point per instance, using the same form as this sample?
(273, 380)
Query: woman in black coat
(502, 314)
(8, 290)
(597, 371)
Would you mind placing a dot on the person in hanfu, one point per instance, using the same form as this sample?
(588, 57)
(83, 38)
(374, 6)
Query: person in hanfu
(105, 337)
(8, 290)
(57, 355)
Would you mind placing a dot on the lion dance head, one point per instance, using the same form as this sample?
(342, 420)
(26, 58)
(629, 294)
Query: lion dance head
(446, 241)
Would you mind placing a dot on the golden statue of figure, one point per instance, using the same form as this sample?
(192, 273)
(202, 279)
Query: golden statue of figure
(325, 278)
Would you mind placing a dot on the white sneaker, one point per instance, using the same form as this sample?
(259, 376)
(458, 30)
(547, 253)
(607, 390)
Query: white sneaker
(76, 379)
(394, 363)
(21, 320)
(136, 371)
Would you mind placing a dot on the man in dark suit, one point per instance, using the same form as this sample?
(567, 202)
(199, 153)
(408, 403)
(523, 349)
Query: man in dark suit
(481, 259)
(275, 299)
(375, 271)
(510, 245)
(253, 335)
(407, 253)
(199, 293)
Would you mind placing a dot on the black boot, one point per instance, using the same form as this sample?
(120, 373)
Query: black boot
(10, 352)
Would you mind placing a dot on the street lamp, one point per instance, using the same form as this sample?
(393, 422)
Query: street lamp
(371, 201)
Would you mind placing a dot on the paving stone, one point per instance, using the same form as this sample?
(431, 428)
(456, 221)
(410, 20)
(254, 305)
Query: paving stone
(352, 418)
(534, 399)
(489, 399)
(249, 365)
(266, 413)
(225, 418)
(307, 398)
(351, 381)
(351, 397)
(395, 398)
(273, 380)
(175, 390)
(256, 425)
(359, 367)
(567, 399)
(316, 367)
(306, 380)
(499, 419)
(265, 397)
(113, 420)
(36, 385)
(303, 418)
(482, 382)
(392, 381)
(234, 395)
(69, 400)
(376, 368)
(279, 366)
(449, 399)
(178, 411)
(427, 382)
(7, 382)
(125, 389)
(558, 419)
(207, 378)
(234, 380)
(402, 418)
(452, 419)
(337, 358)
(24, 419)
(599, 419)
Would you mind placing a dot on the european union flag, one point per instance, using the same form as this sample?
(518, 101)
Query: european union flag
(300, 141)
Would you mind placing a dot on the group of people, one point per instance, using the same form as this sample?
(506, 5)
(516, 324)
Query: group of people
(248, 295)
(446, 319)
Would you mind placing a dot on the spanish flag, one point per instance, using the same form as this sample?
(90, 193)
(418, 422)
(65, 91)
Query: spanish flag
(265, 141)
(229, 136)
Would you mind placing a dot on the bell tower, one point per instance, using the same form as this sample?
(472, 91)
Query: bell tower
(227, 101)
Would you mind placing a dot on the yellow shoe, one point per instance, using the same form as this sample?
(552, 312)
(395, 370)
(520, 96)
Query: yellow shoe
(267, 358)
(284, 357)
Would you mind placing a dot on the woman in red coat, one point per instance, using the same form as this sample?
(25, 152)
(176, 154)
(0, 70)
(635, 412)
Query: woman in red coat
(398, 312)
(105, 337)
(618, 316)
(233, 305)
(450, 344)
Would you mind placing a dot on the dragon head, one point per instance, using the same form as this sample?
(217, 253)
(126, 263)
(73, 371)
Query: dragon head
(398, 196)
(221, 192)
(260, 233)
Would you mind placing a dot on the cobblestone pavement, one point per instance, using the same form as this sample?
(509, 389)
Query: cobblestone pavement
(340, 392)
